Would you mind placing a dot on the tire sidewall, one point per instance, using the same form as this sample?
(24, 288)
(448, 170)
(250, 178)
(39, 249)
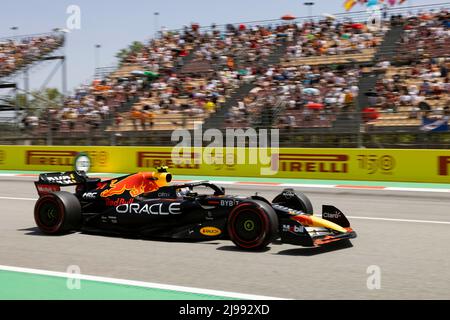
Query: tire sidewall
(268, 225)
(69, 212)
(50, 198)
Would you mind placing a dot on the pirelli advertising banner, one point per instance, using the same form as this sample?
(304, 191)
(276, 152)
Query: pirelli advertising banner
(330, 164)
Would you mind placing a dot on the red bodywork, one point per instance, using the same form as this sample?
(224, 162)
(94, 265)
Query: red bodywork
(137, 184)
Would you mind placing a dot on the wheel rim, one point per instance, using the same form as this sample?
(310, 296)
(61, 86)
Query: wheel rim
(48, 215)
(248, 226)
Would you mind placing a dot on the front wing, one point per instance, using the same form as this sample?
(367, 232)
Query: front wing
(297, 231)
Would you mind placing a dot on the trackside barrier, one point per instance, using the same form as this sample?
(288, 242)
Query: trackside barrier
(431, 166)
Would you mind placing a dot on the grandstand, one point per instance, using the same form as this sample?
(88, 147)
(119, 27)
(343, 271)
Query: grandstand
(20, 52)
(19, 55)
(311, 77)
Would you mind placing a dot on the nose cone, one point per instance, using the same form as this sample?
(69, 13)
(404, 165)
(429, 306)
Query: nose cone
(312, 221)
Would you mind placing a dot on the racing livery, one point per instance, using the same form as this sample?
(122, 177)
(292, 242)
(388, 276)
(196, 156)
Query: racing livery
(147, 205)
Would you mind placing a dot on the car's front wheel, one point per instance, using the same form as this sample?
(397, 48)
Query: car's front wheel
(253, 225)
(58, 213)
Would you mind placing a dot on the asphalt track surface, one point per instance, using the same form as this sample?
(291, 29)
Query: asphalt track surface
(413, 256)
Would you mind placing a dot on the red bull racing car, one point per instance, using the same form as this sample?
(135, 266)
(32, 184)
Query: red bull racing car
(147, 205)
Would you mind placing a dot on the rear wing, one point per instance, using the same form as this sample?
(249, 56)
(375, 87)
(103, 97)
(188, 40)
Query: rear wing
(52, 182)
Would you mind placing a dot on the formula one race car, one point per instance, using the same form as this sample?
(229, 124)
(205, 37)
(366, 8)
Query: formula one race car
(145, 204)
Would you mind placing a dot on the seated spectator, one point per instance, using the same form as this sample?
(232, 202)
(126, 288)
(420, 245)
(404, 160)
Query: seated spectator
(15, 54)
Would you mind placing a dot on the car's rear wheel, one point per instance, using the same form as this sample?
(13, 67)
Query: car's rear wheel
(58, 213)
(253, 225)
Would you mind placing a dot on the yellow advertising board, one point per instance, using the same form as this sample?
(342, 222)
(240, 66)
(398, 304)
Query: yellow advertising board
(330, 164)
(366, 164)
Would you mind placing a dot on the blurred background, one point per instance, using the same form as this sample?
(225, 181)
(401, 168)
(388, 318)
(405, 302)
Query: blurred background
(341, 73)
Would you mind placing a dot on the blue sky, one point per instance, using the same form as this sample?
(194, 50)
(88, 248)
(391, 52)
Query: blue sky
(115, 24)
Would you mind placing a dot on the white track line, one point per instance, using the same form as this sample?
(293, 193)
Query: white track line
(142, 284)
(286, 185)
(216, 182)
(415, 189)
(400, 220)
(331, 186)
(299, 185)
(20, 199)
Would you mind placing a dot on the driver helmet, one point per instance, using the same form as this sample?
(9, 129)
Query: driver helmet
(183, 192)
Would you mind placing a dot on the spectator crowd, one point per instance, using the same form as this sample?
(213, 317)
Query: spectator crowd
(330, 37)
(191, 73)
(17, 53)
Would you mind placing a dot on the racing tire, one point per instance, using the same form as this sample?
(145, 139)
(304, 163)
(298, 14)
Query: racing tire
(300, 202)
(58, 213)
(253, 225)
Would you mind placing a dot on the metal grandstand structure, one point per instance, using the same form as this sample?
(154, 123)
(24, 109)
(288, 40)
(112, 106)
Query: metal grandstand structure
(11, 81)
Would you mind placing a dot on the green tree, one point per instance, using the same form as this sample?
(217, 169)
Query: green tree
(21, 100)
(122, 54)
(52, 94)
(40, 100)
(135, 47)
